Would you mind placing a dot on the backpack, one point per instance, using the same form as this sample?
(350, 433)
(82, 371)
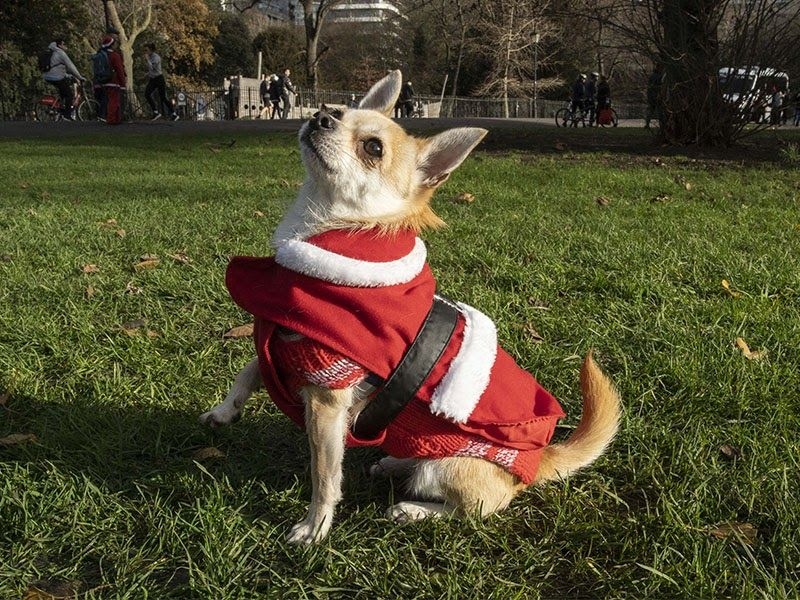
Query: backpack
(101, 67)
(44, 60)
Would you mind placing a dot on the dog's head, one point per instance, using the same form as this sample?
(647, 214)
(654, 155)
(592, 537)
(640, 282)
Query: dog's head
(364, 170)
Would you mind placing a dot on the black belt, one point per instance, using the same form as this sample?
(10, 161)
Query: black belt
(414, 368)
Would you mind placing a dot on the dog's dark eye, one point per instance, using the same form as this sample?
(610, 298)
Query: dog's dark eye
(373, 147)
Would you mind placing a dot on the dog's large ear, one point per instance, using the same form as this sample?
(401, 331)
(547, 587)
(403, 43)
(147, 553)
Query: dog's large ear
(383, 95)
(444, 152)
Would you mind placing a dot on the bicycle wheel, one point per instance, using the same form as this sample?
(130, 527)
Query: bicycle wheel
(87, 110)
(613, 122)
(46, 114)
(563, 117)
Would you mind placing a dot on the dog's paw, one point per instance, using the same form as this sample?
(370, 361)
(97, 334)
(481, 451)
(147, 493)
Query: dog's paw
(406, 512)
(308, 532)
(220, 415)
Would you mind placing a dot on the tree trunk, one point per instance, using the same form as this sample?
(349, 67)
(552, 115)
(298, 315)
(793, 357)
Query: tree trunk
(694, 110)
(127, 38)
(508, 61)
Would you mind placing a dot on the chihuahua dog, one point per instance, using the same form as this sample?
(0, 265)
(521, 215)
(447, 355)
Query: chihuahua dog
(354, 344)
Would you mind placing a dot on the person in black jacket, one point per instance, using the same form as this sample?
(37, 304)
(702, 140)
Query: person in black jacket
(263, 92)
(406, 99)
(285, 87)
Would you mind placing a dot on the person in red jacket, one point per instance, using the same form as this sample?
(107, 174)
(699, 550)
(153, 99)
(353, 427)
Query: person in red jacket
(114, 89)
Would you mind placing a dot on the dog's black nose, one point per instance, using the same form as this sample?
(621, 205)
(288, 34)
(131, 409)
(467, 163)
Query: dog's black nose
(322, 120)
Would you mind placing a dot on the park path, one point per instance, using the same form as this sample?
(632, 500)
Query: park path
(29, 129)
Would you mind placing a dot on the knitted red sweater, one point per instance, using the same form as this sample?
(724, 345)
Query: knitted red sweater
(363, 296)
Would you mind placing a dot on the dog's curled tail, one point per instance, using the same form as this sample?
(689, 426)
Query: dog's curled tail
(596, 430)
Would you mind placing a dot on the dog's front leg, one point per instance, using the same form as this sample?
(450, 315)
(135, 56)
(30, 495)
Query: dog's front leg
(326, 425)
(247, 381)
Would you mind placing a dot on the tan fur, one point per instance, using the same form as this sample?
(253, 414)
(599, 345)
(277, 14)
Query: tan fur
(473, 485)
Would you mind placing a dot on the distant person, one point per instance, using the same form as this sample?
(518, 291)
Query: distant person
(578, 95)
(407, 99)
(797, 108)
(156, 90)
(603, 97)
(654, 85)
(286, 88)
(776, 103)
(114, 89)
(274, 96)
(58, 71)
(263, 92)
(591, 97)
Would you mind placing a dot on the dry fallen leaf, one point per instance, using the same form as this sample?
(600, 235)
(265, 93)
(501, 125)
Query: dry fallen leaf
(602, 201)
(90, 291)
(533, 334)
(258, 214)
(746, 352)
(730, 452)
(90, 269)
(239, 332)
(14, 439)
(181, 257)
(660, 198)
(560, 146)
(744, 532)
(464, 198)
(132, 289)
(726, 285)
(145, 265)
(120, 233)
(688, 186)
(52, 590)
(208, 453)
(132, 327)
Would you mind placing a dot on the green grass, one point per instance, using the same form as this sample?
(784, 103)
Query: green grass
(109, 503)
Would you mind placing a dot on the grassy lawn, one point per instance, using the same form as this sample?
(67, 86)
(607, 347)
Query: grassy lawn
(108, 365)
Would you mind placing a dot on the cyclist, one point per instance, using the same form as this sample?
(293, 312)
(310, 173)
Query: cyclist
(60, 75)
(578, 98)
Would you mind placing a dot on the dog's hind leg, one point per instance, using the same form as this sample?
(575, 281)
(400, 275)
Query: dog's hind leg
(326, 425)
(229, 410)
(463, 484)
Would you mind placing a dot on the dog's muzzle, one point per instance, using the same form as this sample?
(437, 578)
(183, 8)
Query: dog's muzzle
(323, 119)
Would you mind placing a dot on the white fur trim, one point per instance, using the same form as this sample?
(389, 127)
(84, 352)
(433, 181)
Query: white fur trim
(308, 259)
(458, 393)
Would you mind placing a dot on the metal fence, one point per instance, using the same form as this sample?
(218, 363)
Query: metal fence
(221, 104)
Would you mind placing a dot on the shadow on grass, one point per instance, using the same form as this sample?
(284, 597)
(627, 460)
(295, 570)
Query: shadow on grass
(504, 135)
(117, 447)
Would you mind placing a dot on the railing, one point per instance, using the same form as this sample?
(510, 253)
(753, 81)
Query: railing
(220, 104)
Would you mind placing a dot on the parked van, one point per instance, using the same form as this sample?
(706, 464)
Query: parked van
(750, 89)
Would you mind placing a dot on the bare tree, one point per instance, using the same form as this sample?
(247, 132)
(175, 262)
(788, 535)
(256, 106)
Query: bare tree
(509, 34)
(693, 40)
(313, 20)
(135, 20)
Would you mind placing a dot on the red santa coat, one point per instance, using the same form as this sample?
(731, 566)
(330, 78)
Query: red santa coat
(364, 295)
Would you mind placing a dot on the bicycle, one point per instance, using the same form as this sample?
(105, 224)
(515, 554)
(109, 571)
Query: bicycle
(567, 117)
(48, 107)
